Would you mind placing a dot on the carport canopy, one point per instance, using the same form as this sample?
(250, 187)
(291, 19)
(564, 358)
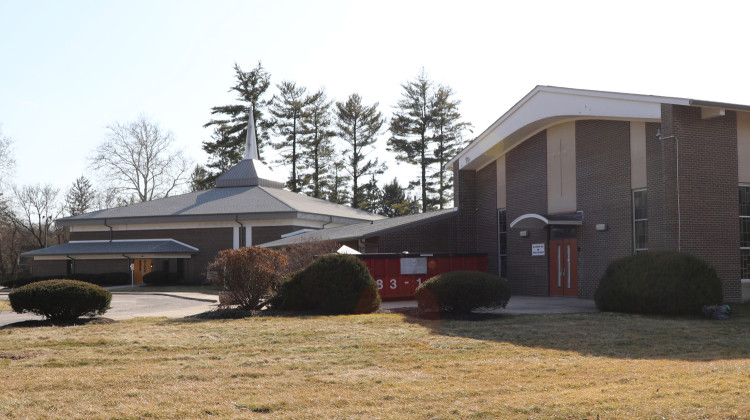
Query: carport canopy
(141, 248)
(538, 221)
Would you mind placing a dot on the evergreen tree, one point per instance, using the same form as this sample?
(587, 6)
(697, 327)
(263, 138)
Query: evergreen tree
(394, 201)
(448, 139)
(230, 125)
(371, 196)
(338, 190)
(410, 127)
(358, 126)
(287, 109)
(80, 197)
(317, 146)
(198, 178)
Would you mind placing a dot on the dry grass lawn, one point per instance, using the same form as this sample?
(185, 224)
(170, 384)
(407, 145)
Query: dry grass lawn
(381, 366)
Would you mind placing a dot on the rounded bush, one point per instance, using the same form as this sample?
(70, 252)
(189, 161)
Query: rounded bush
(61, 300)
(332, 284)
(658, 282)
(462, 291)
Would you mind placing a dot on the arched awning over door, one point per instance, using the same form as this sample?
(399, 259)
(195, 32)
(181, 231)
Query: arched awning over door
(539, 221)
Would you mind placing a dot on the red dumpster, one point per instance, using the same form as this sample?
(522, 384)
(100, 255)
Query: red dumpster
(399, 275)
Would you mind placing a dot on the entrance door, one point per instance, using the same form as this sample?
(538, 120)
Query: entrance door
(141, 267)
(563, 267)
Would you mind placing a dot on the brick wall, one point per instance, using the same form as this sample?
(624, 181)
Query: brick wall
(466, 200)
(486, 218)
(526, 189)
(604, 195)
(707, 223)
(438, 236)
(263, 234)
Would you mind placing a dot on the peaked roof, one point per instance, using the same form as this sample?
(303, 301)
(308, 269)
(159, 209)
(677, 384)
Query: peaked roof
(226, 204)
(546, 106)
(247, 190)
(364, 230)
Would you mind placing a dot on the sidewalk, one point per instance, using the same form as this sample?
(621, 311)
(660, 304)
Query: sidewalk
(519, 305)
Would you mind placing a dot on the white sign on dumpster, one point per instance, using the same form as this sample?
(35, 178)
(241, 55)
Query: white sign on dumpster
(537, 249)
(414, 265)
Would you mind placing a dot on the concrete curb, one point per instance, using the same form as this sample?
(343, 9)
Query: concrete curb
(174, 295)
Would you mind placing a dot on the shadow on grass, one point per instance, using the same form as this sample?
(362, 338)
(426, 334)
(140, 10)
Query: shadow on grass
(47, 323)
(612, 335)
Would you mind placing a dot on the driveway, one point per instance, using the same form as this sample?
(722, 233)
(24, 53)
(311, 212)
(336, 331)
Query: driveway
(133, 305)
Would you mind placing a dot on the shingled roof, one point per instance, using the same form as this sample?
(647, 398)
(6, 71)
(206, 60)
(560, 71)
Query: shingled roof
(225, 203)
(365, 229)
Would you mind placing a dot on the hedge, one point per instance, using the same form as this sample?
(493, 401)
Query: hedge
(61, 300)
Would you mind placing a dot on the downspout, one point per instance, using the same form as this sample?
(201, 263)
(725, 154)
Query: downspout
(131, 268)
(110, 229)
(330, 220)
(677, 164)
(239, 234)
(72, 264)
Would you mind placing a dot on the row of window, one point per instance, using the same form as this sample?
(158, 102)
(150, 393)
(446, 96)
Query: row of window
(745, 231)
(640, 229)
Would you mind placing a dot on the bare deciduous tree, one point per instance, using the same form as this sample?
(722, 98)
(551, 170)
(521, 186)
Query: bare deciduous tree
(7, 163)
(140, 160)
(37, 208)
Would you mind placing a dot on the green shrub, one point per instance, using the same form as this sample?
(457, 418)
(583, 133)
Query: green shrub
(462, 291)
(658, 282)
(60, 300)
(333, 284)
(162, 277)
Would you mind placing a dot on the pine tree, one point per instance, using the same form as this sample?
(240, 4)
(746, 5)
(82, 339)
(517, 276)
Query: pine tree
(358, 126)
(371, 196)
(410, 127)
(317, 146)
(394, 201)
(198, 178)
(80, 197)
(230, 127)
(287, 109)
(448, 139)
(338, 190)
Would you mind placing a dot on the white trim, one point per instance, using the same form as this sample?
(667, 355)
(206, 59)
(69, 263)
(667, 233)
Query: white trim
(133, 240)
(529, 216)
(547, 105)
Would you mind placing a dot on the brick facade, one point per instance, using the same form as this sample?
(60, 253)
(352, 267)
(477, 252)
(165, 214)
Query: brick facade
(706, 221)
(526, 192)
(486, 215)
(432, 237)
(603, 193)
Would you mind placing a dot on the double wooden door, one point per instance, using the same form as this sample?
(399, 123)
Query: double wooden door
(563, 267)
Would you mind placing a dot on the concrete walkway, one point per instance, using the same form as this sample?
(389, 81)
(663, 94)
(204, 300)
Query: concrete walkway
(524, 305)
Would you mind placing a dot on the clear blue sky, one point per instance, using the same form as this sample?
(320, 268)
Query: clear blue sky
(70, 68)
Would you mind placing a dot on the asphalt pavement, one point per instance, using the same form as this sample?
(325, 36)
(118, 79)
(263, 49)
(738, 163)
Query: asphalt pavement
(133, 305)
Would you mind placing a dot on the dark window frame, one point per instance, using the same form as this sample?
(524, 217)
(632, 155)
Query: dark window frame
(640, 219)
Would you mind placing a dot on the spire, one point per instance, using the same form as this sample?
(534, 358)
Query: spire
(250, 171)
(251, 143)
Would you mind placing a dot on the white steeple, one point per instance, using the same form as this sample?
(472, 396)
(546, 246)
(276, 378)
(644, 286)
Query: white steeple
(251, 143)
(250, 171)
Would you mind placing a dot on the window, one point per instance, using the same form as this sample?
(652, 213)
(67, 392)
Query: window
(502, 242)
(640, 220)
(745, 231)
